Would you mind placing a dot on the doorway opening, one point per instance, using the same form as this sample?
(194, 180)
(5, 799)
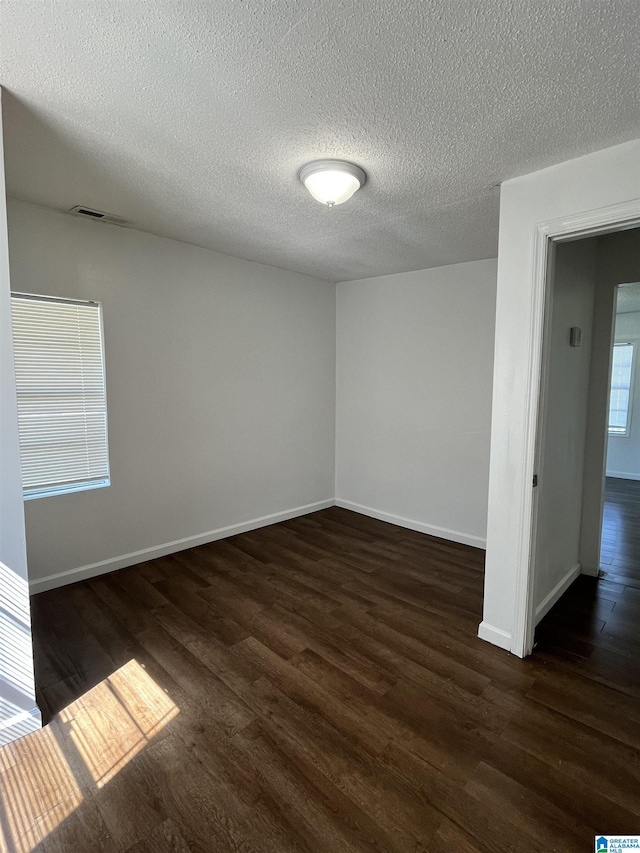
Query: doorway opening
(586, 532)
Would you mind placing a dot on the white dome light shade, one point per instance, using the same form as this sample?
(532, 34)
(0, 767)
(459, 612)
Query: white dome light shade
(332, 181)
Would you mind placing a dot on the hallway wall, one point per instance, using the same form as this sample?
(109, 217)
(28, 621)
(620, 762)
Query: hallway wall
(623, 452)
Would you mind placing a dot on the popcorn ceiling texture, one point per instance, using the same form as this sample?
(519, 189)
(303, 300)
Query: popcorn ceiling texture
(192, 119)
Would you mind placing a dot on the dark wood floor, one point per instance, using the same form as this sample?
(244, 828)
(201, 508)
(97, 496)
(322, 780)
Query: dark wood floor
(316, 685)
(621, 532)
(595, 627)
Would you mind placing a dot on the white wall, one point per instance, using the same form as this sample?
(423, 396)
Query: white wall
(561, 464)
(623, 452)
(220, 392)
(18, 711)
(413, 398)
(597, 181)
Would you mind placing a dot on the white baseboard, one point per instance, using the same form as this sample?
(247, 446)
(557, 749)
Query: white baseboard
(122, 562)
(20, 725)
(559, 589)
(494, 635)
(622, 475)
(411, 524)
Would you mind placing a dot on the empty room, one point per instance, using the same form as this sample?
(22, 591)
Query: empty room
(319, 424)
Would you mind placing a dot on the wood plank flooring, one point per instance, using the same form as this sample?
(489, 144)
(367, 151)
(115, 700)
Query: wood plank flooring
(620, 557)
(316, 685)
(595, 627)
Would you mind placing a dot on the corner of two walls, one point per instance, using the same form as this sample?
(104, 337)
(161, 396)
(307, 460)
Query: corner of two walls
(235, 402)
(414, 362)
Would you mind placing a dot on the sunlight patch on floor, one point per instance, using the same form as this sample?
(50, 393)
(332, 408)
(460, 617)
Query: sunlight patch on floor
(38, 791)
(45, 776)
(113, 722)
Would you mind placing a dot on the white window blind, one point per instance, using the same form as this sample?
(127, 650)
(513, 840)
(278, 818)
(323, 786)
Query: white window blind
(620, 401)
(62, 406)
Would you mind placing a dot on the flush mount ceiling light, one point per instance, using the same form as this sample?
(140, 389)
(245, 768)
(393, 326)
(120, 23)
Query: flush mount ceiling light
(332, 181)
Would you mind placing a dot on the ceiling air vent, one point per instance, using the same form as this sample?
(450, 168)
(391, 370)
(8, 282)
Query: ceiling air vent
(98, 215)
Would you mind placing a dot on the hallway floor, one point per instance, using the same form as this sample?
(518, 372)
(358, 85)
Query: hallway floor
(595, 628)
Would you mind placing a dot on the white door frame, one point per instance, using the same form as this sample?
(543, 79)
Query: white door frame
(590, 223)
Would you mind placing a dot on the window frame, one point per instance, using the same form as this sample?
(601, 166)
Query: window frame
(72, 486)
(633, 343)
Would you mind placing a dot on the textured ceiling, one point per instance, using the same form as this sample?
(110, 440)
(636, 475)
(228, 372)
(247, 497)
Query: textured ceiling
(192, 119)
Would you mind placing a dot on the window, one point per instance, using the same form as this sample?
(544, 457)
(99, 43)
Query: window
(620, 400)
(62, 407)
